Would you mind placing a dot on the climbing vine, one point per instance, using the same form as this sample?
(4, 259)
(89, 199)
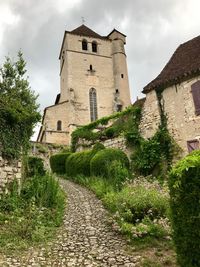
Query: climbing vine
(119, 121)
(155, 155)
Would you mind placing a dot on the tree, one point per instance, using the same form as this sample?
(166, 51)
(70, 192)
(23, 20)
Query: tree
(18, 108)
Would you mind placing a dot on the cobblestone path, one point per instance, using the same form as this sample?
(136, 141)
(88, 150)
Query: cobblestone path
(85, 239)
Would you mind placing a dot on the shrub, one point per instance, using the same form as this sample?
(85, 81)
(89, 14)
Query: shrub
(79, 163)
(34, 166)
(57, 162)
(99, 165)
(184, 184)
(97, 147)
(110, 132)
(117, 173)
(135, 203)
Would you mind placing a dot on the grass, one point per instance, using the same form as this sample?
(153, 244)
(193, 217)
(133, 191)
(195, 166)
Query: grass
(33, 216)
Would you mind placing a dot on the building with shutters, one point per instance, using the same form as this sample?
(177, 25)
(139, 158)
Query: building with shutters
(93, 83)
(178, 87)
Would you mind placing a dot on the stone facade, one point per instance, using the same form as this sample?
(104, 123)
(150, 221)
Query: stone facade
(183, 124)
(9, 170)
(150, 115)
(105, 71)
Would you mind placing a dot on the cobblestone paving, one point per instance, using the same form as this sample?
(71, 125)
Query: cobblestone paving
(85, 239)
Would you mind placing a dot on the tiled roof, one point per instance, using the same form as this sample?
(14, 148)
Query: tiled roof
(85, 31)
(184, 63)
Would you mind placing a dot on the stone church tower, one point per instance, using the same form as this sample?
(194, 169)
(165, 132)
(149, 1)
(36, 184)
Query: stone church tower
(93, 83)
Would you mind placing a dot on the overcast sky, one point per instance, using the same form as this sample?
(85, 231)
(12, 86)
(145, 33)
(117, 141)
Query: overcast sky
(154, 29)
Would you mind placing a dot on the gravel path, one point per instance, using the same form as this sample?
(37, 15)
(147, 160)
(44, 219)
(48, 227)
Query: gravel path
(85, 239)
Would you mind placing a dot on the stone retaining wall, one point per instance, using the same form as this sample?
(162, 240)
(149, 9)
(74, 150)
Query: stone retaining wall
(118, 142)
(9, 170)
(44, 151)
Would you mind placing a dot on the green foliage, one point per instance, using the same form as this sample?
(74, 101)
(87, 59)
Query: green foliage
(97, 147)
(184, 184)
(118, 174)
(110, 132)
(57, 162)
(34, 166)
(18, 108)
(155, 154)
(99, 165)
(33, 215)
(79, 163)
(41, 148)
(86, 132)
(135, 203)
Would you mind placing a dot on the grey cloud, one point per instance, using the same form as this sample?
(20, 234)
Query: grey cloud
(153, 32)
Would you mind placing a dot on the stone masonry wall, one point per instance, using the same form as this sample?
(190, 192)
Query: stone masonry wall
(9, 170)
(182, 122)
(118, 142)
(44, 151)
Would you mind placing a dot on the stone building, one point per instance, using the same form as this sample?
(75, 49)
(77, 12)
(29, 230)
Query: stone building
(93, 83)
(178, 87)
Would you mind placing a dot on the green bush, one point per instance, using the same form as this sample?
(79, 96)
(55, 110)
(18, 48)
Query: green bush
(184, 184)
(99, 165)
(97, 147)
(117, 173)
(137, 203)
(57, 162)
(110, 132)
(79, 163)
(34, 166)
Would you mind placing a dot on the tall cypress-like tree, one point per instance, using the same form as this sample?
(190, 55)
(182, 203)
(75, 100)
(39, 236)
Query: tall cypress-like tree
(18, 108)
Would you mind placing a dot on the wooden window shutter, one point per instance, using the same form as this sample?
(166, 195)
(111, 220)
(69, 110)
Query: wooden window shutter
(196, 96)
(192, 145)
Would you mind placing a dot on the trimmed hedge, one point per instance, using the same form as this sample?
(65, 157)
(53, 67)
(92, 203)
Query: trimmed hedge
(57, 162)
(99, 165)
(79, 162)
(184, 184)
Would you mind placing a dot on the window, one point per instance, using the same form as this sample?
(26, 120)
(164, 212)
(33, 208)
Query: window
(59, 125)
(84, 45)
(94, 47)
(196, 96)
(90, 67)
(119, 107)
(93, 104)
(192, 145)
(122, 76)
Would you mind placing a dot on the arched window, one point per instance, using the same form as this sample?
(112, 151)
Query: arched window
(196, 96)
(94, 47)
(84, 45)
(59, 125)
(93, 104)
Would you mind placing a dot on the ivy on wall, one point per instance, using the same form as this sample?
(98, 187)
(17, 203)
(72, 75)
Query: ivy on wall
(150, 156)
(120, 124)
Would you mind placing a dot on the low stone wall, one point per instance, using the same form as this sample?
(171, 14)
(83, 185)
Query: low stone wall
(44, 151)
(118, 142)
(9, 170)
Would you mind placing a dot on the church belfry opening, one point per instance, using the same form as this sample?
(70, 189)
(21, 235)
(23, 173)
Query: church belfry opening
(84, 45)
